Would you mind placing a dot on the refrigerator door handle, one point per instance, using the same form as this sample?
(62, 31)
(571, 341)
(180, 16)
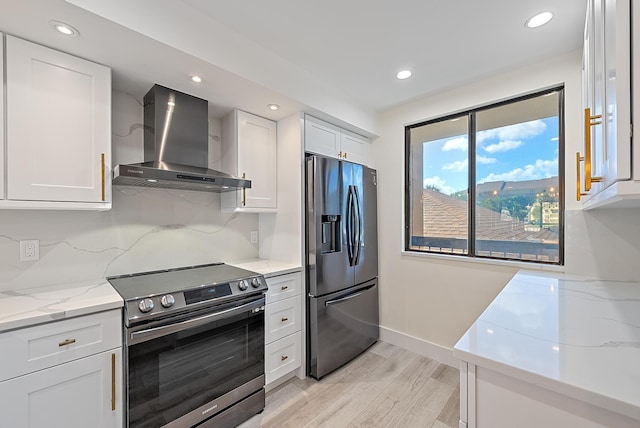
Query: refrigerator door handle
(349, 297)
(358, 237)
(349, 227)
(352, 225)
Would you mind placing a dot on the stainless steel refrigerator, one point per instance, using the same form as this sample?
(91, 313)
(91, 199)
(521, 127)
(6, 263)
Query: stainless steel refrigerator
(341, 262)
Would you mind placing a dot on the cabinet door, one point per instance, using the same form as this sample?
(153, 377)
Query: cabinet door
(321, 137)
(82, 393)
(355, 148)
(282, 318)
(282, 357)
(257, 160)
(617, 98)
(58, 125)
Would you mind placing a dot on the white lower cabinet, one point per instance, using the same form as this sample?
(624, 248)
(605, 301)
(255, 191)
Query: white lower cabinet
(489, 399)
(82, 393)
(283, 326)
(282, 356)
(66, 373)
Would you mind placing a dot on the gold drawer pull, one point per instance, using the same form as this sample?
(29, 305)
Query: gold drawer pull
(285, 319)
(589, 121)
(244, 192)
(284, 287)
(578, 191)
(284, 357)
(102, 172)
(67, 342)
(113, 382)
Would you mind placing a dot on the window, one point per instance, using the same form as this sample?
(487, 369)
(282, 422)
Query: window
(488, 182)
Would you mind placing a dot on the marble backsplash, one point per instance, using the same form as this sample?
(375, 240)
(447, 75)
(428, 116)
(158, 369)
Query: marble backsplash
(146, 229)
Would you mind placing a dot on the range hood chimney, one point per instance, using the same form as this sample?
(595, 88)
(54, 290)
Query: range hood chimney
(176, 147)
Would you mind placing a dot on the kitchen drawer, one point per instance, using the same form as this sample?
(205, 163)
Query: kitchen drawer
(284, 286)
(35, 348)
(282, 318)
(282, 356)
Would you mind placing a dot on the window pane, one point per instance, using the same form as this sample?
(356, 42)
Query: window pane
(439, 181)
(517, 193)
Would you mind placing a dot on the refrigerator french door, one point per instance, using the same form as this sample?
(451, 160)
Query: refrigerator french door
(341, 262)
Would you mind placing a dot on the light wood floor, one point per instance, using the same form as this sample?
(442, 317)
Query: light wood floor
(386, 386)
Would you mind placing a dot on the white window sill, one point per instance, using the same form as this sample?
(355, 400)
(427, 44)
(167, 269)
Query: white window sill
(505, 263)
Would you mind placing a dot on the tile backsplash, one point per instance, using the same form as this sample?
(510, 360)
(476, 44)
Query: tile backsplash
(146, 229)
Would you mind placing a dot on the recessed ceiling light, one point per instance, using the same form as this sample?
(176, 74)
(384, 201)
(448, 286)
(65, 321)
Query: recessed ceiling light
(404, 74)
(196, 78)
(273, 106)
(538, 20)
(64, 28)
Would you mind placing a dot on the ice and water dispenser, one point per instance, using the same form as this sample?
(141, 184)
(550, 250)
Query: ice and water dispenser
(331, 236)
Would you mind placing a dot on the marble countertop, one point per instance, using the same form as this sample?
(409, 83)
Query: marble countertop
(268, 268)
(39, 305)
(573, 335)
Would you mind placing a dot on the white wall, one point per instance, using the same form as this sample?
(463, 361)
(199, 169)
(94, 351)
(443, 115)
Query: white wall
(436, 299)
(281, 233)
(147, 229)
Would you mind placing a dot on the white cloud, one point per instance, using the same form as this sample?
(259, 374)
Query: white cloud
(439, 183)
(456, 166)
(541, 169)
(513, 132)
(485, 160)
(458, 143)
(503, 146)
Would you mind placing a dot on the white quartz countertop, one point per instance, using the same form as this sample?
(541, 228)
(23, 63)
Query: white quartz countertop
(268, 268)
(576, 336)
(28, 307)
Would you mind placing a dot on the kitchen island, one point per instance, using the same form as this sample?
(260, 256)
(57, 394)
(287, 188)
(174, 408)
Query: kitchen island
(556, 351)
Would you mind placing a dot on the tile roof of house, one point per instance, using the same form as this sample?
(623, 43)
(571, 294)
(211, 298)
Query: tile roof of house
(446, 217)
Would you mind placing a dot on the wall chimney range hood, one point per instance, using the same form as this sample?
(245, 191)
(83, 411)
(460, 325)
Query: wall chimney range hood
(176, 147)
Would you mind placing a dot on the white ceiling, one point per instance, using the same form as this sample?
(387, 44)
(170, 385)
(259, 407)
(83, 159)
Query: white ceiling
(334, 58)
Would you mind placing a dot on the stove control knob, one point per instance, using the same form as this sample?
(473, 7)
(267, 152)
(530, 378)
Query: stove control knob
(255, 283)
(242, 285)
(145, 305)
(167, 300)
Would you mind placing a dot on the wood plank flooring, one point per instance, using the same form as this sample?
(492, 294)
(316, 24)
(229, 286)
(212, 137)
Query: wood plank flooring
(387, 386)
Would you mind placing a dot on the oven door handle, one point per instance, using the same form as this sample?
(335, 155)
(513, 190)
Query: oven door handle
(155, 332)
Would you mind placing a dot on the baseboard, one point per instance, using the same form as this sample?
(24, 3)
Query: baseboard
(422, 347)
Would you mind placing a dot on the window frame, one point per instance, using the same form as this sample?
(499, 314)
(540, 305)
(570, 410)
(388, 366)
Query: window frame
(470, 113)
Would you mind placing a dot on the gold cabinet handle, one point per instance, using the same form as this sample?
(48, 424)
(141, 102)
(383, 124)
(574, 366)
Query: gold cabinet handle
(102, 171)
(340, 154)
(285, 319)
(66, 342)
(578, 192)
(284, 357)
(589, 121)
(113, 382)
(244, 192)
(345, 155)
(284, 287)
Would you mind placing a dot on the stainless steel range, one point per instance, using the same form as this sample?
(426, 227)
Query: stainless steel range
(194, 346)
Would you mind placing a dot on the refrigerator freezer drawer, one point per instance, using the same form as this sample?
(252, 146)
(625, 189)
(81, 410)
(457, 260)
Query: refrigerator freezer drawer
(342, 326)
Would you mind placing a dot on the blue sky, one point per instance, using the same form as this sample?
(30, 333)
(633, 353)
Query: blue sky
(524, 151)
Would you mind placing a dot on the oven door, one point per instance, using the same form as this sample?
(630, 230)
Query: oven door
(181, 372)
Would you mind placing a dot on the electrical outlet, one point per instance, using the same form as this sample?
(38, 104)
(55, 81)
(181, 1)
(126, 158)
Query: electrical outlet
(254, 236)
(29, 250)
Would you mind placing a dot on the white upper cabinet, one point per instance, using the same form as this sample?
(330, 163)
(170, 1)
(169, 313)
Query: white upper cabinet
(606, 160)
(249, 150)
(329, 140)
(58, 130)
